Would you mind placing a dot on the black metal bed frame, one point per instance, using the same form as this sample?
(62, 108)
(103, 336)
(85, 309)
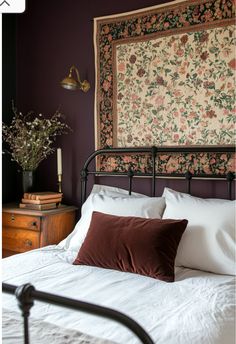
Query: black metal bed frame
(26, 294)
(154, 151)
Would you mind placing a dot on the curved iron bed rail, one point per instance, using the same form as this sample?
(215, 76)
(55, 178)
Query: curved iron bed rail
(26, 294)
(153, 151)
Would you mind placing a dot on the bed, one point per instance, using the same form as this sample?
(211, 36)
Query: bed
(184, 293)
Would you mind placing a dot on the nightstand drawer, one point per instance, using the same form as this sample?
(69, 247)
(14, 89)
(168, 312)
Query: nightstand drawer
(19, 240)
(19, 221)
(27, 229)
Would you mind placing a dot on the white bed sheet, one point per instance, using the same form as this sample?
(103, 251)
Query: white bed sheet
(198, 308)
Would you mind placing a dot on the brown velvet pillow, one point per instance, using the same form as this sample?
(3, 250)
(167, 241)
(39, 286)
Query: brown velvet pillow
(132, 244)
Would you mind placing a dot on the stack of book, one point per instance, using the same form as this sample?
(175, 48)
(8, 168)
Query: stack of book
(41, 200)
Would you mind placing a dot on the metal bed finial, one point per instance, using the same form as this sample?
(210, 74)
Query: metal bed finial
(25, 300)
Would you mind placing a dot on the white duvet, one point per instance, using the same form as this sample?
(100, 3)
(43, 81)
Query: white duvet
(199, 308)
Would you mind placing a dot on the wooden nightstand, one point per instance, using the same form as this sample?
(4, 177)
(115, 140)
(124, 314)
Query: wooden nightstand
(25, 229)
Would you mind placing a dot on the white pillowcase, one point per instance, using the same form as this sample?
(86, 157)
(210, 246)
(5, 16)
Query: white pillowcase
(208, 242)
(146, 207)
(114, 191)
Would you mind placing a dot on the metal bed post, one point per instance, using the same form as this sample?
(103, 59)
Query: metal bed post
(154, 153)
(188, 176)
(130, 175)
(84, 178)
(229, 178)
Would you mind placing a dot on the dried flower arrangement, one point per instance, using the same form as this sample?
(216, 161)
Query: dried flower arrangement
(30, 137)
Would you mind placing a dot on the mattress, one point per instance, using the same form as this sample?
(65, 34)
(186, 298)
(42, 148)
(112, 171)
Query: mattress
(199, 307)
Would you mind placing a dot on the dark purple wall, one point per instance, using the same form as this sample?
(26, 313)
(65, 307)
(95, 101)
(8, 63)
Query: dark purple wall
(52, 36)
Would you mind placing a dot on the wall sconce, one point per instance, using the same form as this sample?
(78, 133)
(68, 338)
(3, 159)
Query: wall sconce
(71, 83)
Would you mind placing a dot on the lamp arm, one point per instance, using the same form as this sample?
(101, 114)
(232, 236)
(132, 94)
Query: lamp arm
(77, 73)
(84, 85)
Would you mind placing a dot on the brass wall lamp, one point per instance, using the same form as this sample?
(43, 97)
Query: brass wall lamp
(70, 83)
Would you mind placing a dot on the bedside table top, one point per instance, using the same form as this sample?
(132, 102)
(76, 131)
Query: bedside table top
(14, 208)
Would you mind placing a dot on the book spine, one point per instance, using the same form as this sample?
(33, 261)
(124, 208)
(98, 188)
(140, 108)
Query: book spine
(42, 197)
(34, 201)
(27, 195)
(38, 206)
(49, 197)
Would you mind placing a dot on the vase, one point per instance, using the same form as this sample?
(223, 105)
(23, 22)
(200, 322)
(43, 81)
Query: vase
(27, 181)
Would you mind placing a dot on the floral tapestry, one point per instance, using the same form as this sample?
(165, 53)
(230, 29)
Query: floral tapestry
(166, 76)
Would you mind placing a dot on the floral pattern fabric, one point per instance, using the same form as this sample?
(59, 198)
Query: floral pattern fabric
(204, 119)
(177, 90)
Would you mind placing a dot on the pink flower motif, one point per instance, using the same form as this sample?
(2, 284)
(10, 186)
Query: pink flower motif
(232, 64)
(192, 114)
(106, 85)
(223, 157)
(134, 97)
(176, 137)
(164, 157)
(207, 169)
(109, 141)
(106, 48)
(208, 15)
(212, 161)
(127, 159)
(180, 52)
(159, 100)
(177, 93)
(155, 120)
(121, 67)
(153, 19)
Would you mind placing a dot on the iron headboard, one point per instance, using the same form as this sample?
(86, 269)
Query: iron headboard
(154, 151)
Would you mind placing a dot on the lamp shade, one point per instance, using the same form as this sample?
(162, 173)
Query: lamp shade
(70, 83)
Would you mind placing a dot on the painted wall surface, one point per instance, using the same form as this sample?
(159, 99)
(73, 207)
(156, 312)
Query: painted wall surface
(9, 168)
(50, 37)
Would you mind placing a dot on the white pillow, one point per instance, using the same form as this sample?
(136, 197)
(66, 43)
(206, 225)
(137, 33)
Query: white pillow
(208, 242)
(114, 191)
(146, 207)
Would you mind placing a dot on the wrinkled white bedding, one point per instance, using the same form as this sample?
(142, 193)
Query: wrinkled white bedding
(12, 330)
(198, 308)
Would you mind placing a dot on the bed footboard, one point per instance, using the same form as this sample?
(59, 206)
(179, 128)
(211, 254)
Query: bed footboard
(26, 294)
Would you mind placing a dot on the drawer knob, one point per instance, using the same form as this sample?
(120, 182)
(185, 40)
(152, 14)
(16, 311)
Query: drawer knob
(28, 242)
(34, 224)
(12, 217)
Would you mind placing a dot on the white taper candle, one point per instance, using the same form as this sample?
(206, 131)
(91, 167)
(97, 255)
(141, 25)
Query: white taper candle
(59, 161)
